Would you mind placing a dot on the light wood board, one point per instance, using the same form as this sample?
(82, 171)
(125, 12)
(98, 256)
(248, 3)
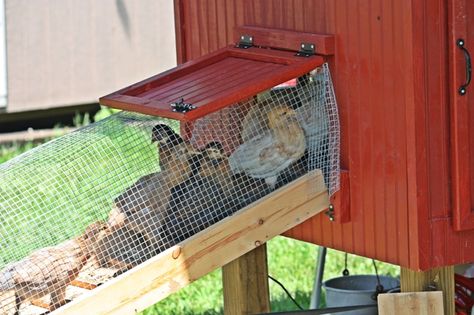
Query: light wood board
(441, 278)
(411, 303)
(245, 282)
(206, 251)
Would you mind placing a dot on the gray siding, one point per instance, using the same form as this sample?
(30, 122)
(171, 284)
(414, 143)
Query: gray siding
(70, 52)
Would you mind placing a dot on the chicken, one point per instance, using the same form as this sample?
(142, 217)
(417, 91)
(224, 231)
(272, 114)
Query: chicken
(122, 248)
(203, 199)
(255, 121)
(149, 192)
(137, 218)
(214, 164)
(50, 270)
(152, 191)
(129, 201)
(136, 232)
(221, 126)
(267, 154)
(239, 190)
(170, 146)
(315, 125)
(246, 190)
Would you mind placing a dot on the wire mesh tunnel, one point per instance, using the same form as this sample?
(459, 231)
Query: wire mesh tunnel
(101, 200)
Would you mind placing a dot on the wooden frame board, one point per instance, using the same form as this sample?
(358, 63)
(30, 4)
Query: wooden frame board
(206, 251)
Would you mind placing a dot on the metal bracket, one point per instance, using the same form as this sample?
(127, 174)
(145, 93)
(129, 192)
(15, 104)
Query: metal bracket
(182, 107)
(330, 212)
(245, 42)
(306, 50)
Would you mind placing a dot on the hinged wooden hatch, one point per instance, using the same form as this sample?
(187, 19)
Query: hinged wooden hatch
(222, 78)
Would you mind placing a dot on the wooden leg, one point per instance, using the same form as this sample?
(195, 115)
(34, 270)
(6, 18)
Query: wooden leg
(246, 284)
(438, 278)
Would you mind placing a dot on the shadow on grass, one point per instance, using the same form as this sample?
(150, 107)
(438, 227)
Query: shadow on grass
(281, 303)
(284, 303)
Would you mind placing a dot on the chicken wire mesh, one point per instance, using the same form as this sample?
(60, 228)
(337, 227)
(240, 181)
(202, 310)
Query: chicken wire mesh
(122, 190)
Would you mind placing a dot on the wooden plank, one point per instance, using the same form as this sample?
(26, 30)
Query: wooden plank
(224, 88)
(215, 86)
(83, 284)
(413, 303)
(437, 278)
(245, 283)
(277, 77)
(192, 80)
(212, 248)
(171, 74)
(179, 31)
(267, 55)
(289, 40)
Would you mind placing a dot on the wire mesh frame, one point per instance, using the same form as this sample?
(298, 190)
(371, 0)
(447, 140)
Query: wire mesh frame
(153, 187)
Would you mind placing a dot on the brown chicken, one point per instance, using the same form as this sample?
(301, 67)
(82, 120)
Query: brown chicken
(171, 147)
(136, 232)
(50, 270)
(267, 154)
(151, 192)
(255, 121)
(122, 249)
(137, 218)
(203, 199)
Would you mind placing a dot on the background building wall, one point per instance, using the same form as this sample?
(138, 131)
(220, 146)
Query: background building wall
(71, 52)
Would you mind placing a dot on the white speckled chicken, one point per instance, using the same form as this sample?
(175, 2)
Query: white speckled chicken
(50, 270)
(314, 124)
(270, 152)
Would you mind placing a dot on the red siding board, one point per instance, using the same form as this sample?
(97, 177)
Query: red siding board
(390, 72)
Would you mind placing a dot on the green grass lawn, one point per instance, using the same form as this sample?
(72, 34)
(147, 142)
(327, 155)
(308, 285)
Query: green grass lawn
(66, 186)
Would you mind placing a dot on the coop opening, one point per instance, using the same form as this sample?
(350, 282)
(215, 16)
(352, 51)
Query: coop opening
(204, 142)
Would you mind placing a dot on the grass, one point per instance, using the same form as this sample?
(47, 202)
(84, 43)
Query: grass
(65, 184)
(49, 194)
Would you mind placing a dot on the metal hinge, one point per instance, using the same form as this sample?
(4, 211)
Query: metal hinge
(246, 41)
(182, 107)
(306, 50)
(330, 212)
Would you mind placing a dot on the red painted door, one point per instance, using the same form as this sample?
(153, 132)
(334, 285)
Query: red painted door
(462, 113)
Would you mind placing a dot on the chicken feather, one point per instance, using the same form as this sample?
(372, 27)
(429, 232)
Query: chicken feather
(267, 154)
(50, 270)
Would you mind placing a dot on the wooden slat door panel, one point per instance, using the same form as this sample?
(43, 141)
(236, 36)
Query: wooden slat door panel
(213, 81)
(461, 17)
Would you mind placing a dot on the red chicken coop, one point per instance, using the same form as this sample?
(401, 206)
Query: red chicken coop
(252, 144)
(401, 71)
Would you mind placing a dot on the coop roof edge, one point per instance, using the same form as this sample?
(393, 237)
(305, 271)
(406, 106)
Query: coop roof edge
(132, 98)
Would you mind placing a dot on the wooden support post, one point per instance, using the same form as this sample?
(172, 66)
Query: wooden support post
(439, 278)
(246, 284)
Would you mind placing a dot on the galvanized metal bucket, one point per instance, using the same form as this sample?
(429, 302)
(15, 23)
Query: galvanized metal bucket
(356, 290)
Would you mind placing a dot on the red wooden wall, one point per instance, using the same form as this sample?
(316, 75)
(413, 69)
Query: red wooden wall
(391, 72)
